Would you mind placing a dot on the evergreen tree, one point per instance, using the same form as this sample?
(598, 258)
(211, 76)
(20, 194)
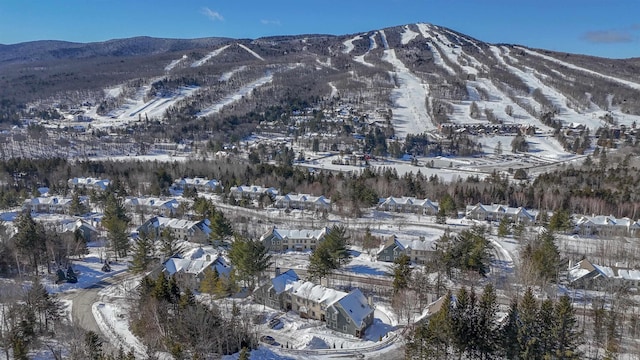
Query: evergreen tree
(503, 227)
(220, 226)
(93, 346)
(76, 207)
(486, 328)
(546, 325)
(30, 240)
(71, 275)
(401, 270)
(143, 251)
(528, 331)
(250, 258)
(509, 332)
(565, 331)
(330, 254)
(560, 221)
(209, 281)
(116, 222)
(169, 245)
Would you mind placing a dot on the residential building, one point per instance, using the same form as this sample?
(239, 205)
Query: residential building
(252, 192)
(587, 275)
(352, 314)
(408, 205)
(51, 204)
(195, 231)
(347, 313)
(151, 205)
(88, 232)
(605, 225)
(303, 202)
(198, 183)
(420, 251)
(293, 239)
(495, 212)
(189, 270)
(89, 183)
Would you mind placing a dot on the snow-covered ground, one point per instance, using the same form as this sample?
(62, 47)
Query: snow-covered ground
(209, 56)
(241, 93)
(410, 114)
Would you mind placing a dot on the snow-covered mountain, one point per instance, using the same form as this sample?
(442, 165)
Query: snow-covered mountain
(426, 75)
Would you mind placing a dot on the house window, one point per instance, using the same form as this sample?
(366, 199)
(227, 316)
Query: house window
(344, 328)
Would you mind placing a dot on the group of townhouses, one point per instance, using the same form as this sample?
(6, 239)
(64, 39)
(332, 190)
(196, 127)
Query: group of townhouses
(187, 230)
(189, 269)
(279, 240)
(349, 313)
(408, 205)
(587, 275)
(420, 251)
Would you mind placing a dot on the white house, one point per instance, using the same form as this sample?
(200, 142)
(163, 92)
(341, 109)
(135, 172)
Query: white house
(408, 205)
(198, 183)
(89, 183)
(151, 205)
(51, 204)
(189, 269)
(293, 239)
(495, 212)
(252, 192)
(302, 202)
(589, 225)
(196, 231)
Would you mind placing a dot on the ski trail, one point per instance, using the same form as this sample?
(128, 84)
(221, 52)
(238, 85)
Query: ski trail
(226, 76)
(210, 55)
(383, 38)
(448, 49)
(410, 114)
(348, 44)
(628, 83)
(437, 57)
(174, 63)
(251, 52)
(238, 95)
(408, 35)
(372, 45)
(334, 90)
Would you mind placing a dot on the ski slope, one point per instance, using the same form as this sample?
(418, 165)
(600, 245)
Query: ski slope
(209, 56)
(410, 114)
(251, 52)
(174, 63)
(231, 98)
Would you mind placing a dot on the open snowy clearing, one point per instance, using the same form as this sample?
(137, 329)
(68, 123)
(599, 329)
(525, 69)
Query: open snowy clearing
(241, 93)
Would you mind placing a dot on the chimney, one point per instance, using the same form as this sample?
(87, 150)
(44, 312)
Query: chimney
(277, 271)
(370, 300)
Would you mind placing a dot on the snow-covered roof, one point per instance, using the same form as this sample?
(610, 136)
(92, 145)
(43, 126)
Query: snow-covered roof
(74, 225)
(151, 202)
(314, 292)
(163, 222)
(254, 189)
(197, 261)
(49, 200)
(304, 234)
(356, 306)
(605, 220)
(198, 181)
(90, 182)
(281, 281)
(404, 244)
(407, 201)
(304, 198)
(584, 267)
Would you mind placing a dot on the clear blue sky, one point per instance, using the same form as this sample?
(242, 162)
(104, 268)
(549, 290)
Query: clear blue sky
(609, 28)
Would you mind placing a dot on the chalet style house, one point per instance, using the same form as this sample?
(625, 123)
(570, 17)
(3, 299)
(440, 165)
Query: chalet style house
(419, 251)
(189, 270)
(89, 183)
(251, 192)
(605, 225)
(151, 205)
(349, 313)
(496, 212)
(303, 202)
(279, 240)
(195, 231)
(587, 275)
(408, 205)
